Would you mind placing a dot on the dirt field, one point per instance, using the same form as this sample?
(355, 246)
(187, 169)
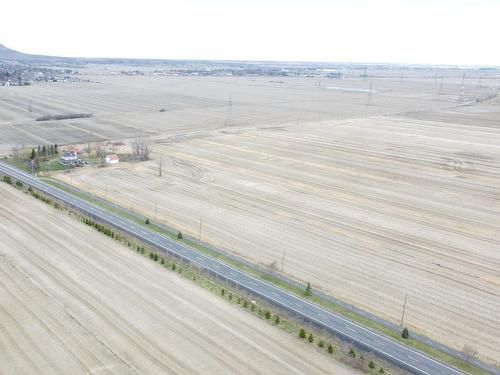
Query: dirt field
(121, 104)
(73, 301)
(367, 209)
(371, 195)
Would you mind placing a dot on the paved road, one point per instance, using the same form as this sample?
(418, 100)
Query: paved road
(395, 352)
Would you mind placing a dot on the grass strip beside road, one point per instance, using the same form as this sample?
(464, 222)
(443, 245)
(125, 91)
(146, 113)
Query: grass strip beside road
(293, 289)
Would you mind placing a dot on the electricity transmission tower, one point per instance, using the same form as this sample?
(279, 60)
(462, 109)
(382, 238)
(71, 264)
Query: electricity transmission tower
(369, 97)
(461, 96)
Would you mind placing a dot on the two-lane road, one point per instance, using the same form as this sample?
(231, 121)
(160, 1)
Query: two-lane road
(393, 351)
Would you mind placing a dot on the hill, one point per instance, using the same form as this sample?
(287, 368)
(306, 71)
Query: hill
(10, 54)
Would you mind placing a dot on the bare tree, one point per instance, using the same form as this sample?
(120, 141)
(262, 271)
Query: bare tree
(273, 266)
(469, 352)
(15, 152)
(35, 164)
(98, 150)
(141, 146)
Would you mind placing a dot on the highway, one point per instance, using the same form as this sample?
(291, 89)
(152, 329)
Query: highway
(391, 350)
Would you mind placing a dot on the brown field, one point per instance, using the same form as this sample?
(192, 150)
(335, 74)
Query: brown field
(366, 209)
(197, 104)
(368, 201)
(74, 301)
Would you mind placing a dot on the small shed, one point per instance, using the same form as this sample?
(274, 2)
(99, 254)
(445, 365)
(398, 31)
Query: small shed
(112, 159)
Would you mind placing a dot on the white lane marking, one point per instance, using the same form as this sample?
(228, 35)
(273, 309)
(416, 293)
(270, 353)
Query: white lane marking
(350, 329)
(414, 359)
(323, 316)
(380, 342)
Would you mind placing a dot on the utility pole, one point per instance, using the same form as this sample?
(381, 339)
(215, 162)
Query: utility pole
(283, 262)
(229, 112)
(404, 309)
(199, 233)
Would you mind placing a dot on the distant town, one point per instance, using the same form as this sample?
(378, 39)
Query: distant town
(20, 75)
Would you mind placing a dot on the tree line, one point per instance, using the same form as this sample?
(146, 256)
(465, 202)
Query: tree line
(44, 151)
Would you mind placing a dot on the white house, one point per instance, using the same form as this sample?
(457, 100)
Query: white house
(69, 158)
(112, 159)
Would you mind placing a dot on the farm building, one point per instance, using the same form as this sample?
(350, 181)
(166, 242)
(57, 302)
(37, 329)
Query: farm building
(69, 158)
(112, 159)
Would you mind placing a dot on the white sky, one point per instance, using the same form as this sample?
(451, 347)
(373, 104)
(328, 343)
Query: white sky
(404, 31)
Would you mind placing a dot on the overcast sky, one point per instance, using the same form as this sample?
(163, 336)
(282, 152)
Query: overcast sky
(404, 31)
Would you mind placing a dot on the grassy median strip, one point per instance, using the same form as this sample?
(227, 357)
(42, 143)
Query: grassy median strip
(293, 289)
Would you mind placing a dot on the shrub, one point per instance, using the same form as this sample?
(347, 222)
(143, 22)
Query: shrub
(147, 221)
(330, 348)
(310, 338)
(239, 300)
(469, 352)
(230, 297)
(302, 333)
(352, 353)
(222, 291)
(308, 290)
(371, 364)
(405, 334)
(155, 258)
(245, 304)
(179, 235)
(151, 255)
(321, 343)
(381, 371)
(162, 261)
(252, 307)
(30, 189)
(268, 315)
(277, 319)
(19, 183)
